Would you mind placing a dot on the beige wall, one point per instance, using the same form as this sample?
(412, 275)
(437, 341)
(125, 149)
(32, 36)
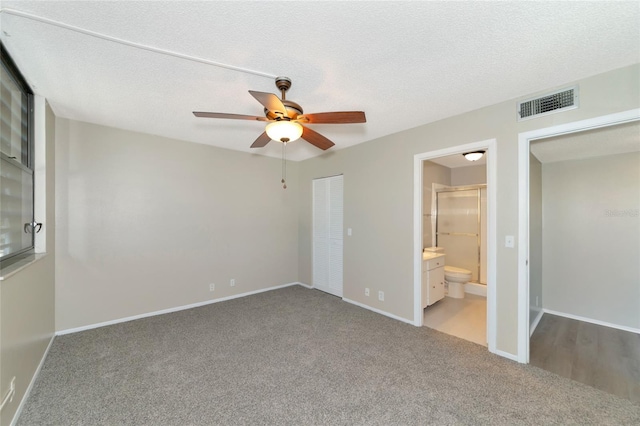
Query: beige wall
(470, 175)
(535, 238)
(147, 223)
(27, 302)
(590, 255)
(432, 173)
(378, 178)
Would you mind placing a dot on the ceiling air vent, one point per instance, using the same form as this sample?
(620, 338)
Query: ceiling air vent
(562, 100)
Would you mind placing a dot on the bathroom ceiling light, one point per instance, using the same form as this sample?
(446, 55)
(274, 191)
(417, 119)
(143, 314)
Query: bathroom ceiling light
(473, 156)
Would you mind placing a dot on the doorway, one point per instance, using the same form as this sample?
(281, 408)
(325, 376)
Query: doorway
(527, 247)
(421, 227)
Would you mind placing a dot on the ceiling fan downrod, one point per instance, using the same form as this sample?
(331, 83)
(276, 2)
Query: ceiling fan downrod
(283, 84)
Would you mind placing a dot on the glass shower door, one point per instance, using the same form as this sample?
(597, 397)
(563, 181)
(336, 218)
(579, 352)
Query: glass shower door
(458, 226)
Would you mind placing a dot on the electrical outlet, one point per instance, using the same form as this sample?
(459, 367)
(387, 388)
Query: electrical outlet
(381, 296)
(232, 282)
(366, 291)
(509, 241)
(536, 300)
(212, 287)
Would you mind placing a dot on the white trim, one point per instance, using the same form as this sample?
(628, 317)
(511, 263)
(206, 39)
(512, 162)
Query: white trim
(40, 171)
(305, 285)
(31, 383)
(593, 321)
(378, 311)
(170, 310)
(536, 321)
(524, 140)
(475, 288)
(492, 173)
(507, 355)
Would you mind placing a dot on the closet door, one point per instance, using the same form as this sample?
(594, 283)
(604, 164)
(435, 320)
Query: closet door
(328, 234)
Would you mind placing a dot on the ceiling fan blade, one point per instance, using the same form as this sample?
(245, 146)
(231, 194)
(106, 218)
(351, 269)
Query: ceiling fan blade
(315, 138)
(231, 116)
(270, 101)
(262, 140)
(338, 117)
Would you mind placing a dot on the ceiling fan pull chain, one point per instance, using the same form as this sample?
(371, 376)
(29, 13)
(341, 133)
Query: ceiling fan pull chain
(284, 165)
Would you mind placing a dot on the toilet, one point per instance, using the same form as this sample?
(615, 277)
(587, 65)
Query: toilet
(454, 278)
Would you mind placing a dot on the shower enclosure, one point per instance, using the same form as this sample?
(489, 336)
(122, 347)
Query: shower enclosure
(459, 218)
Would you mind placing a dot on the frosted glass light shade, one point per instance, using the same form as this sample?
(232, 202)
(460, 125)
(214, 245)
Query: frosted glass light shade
(474, 156)
(284, 131)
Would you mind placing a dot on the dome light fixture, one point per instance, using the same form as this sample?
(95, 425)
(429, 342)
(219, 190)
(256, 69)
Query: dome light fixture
(284, 131)
(473, 156)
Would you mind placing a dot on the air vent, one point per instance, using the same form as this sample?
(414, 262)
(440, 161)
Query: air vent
(562, 100)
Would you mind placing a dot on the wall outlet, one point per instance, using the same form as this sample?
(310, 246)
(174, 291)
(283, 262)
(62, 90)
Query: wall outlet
(232, 282)
(366, 291)
(509, 241)
(536, 300)
(212, 287)
(381, 296)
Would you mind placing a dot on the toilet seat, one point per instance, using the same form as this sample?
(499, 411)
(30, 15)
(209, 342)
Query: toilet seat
(459, 273)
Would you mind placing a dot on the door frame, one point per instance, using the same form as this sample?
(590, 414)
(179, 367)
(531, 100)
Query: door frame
(524, 144)
(490, 145)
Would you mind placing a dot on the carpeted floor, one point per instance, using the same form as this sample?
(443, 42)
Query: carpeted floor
(299, 357)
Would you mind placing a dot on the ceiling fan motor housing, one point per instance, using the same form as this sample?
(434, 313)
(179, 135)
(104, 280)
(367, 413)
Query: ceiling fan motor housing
(293, 111)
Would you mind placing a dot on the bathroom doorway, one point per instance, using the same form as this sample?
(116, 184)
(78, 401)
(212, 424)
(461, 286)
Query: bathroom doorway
(455, 226)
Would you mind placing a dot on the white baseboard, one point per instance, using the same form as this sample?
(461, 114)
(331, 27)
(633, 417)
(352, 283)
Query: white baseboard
(33, 380)
(593, 321)
(507, 355)
(175, 309)
(533, 326)
(378, 311)
(475, 288)
(305, 285)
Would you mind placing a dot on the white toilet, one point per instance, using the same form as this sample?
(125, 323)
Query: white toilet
(454, 278)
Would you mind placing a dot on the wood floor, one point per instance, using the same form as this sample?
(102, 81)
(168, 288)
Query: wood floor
(605, 358)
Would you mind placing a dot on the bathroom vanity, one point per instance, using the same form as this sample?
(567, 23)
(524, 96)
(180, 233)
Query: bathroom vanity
(432, 278)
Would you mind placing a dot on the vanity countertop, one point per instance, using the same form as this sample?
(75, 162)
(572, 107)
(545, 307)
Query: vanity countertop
(428, 255)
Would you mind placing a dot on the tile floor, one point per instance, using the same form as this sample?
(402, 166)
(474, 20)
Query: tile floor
(464, 318)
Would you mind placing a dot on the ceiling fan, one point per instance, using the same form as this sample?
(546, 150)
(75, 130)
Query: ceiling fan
(285, 118)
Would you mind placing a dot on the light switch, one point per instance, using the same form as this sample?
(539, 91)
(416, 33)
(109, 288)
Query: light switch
(349, 232)
(509, 241)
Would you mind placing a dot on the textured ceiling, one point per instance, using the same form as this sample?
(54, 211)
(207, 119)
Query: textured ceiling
(404, 63)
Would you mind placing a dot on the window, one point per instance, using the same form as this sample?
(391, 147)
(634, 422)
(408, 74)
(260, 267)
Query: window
(17, 225)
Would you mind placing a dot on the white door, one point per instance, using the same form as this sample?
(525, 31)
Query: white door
(327, 234)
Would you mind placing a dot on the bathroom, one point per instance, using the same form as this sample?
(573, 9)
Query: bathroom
(454, 236)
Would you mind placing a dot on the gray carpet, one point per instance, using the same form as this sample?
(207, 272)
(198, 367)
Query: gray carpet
(300, 357)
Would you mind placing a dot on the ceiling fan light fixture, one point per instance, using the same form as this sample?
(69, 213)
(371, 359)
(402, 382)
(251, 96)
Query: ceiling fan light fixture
(284, 131)
(473, 156)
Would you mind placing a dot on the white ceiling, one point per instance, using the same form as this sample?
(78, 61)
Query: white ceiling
(457, 160)
(403, 63)
(618, 139)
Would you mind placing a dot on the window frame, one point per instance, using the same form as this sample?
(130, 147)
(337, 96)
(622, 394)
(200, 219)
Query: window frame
(26, 162)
